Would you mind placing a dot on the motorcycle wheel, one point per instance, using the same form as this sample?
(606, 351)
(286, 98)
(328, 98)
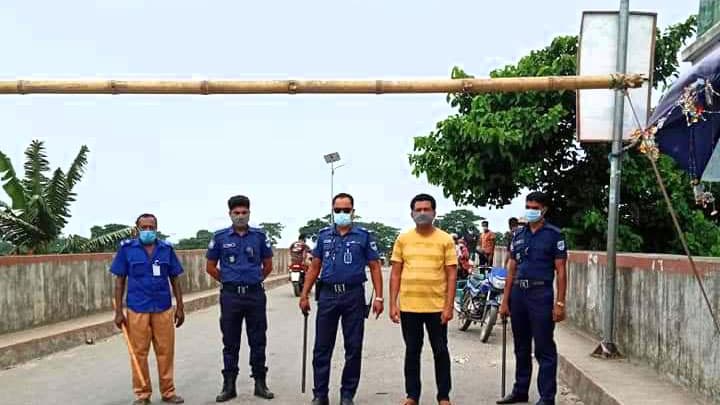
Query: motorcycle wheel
(297, 289)
(464, 319)
(488, 323)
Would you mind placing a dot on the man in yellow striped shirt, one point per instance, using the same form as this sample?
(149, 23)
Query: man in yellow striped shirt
(424, 272)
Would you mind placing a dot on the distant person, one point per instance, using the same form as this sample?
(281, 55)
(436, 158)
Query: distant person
(300, 251)
(422, 293)
(513, 225)
(487, 245)
(149, 266)
(538, 254)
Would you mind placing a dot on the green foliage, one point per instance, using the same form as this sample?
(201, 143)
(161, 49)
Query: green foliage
(497, 145)
(313, 227)
(200, 241)
(6, 248)
(273, 230)
(461, 222)
(40, 205)
(385, 235)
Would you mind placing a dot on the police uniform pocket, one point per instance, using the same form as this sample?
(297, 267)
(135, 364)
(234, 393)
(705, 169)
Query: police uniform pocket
(164, 267)
(138, 268)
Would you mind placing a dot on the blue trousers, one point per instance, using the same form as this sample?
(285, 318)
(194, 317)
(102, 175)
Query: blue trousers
(349, 309)
(531, 317)
(234, 309)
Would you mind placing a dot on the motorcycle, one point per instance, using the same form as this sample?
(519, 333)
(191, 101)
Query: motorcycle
(480, 299)
(297, 277)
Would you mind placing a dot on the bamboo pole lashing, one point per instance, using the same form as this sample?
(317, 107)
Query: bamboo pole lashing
(208, 87)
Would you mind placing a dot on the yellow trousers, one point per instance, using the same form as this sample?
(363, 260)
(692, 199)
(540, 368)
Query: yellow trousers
(158, 328)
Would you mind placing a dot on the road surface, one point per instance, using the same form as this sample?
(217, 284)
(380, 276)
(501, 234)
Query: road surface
(100, 373)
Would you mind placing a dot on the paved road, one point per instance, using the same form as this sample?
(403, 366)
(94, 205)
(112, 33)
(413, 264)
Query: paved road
(100, 373)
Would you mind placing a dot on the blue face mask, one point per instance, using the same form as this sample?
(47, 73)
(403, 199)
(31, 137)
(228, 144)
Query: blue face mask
(343, 219)
(148, 237)
(533, 215)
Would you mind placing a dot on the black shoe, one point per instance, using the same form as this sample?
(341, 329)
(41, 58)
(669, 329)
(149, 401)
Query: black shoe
(513, 398)
(261, 389)
(228, 392)
(541, 402)
(347, 401)
(317, 401)
(141, 402)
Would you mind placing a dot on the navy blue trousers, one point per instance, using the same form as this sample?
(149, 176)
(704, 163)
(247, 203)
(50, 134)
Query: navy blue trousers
(234, 309)
(349, 309)
(531, 317)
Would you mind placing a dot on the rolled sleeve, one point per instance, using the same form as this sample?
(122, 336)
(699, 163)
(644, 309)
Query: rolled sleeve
(213, 252)
(450, 254)
(176, 268)
(119, 266)
(397, 252)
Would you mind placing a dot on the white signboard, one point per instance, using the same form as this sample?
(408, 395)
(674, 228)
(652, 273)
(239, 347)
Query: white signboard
(597, 55)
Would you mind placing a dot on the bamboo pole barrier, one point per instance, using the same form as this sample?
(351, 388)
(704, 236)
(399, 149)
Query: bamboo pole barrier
(206, 87)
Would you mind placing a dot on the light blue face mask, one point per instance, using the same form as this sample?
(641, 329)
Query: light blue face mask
(533, 215)
(343, 219)
(148, 237)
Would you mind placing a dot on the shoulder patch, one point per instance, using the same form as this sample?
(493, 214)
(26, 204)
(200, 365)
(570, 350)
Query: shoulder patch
(373, 246)
(561, 245)
(211, 245)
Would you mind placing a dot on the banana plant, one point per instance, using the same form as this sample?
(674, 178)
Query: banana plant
(39, 206)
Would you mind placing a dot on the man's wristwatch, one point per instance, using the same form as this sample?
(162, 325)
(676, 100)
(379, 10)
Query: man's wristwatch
(379, 299)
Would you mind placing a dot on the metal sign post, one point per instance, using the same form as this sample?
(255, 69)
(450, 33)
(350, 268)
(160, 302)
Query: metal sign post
(607, 347)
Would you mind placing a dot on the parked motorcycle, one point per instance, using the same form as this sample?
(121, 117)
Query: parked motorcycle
(297, 277)
(479, 299)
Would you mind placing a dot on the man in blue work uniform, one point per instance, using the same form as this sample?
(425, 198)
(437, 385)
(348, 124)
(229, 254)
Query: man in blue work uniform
(245, 259)
(340, 256)
(145, 265)
(538, 253)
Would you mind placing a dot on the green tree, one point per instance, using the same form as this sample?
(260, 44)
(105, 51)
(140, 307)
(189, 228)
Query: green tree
(39, 205)
(496, 145)
(201, 240)
(6, 248)
(461, 222)
(385, 235)
(273, 230)
(313, 227)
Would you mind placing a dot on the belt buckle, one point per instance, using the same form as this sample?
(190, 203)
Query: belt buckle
(339, 288)
(525, 284)
(242, 289)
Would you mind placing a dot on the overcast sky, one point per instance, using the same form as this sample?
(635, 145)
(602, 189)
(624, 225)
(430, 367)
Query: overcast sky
(181, 157)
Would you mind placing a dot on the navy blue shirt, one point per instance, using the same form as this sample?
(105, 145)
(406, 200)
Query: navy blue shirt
(148, 287)
(240, 256)
(344, 258)
(535, 253)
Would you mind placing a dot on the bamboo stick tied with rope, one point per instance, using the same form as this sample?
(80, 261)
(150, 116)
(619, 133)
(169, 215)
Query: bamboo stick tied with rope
(208, 87)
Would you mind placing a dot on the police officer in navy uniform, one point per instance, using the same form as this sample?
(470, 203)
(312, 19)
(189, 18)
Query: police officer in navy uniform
(244, 255)
(339, 259)
(538, 254)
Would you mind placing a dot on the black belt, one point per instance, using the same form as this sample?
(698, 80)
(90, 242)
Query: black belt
(242, 288)
(340, 288)
(525, 284)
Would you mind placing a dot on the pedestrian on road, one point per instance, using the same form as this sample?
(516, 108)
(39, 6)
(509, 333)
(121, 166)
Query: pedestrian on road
(339, 259)
(244, 255)
(513, 225)
(487, 245)
(145, 264)
(538, 254)
(424, 273)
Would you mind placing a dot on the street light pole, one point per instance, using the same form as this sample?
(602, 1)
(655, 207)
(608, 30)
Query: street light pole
(331, 159)
(607, 348)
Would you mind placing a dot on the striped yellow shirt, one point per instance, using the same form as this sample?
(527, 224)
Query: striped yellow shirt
(423, 283)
